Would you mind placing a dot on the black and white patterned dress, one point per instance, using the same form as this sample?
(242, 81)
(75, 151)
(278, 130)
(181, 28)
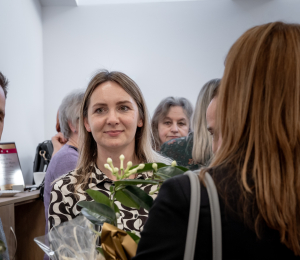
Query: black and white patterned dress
(63, 205)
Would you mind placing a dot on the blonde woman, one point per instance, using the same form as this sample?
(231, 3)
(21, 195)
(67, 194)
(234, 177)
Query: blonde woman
(194, 150)
(256, 168)
(113, 120)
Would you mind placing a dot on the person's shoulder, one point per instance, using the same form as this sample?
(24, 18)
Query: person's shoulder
(181, 179)
(56, 157)
(178, 142)
(66, 179)
(65, 152)
(182, 183)
(179, 183)
(174, 142)
(71, 149)
(61, 163)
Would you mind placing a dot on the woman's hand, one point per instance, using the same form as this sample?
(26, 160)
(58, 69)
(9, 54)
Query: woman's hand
(58, 141)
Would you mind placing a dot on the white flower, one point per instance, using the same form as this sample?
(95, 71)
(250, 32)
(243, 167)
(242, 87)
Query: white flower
(173, 164)
(154, 166)
(141, 166)
(109, 160)
(129, 164)
(108, 167)
(122, 157)
(133, 171)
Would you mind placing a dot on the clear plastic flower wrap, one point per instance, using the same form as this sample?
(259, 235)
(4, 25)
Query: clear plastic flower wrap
(71, 240)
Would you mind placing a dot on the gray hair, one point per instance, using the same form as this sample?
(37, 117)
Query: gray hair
(162, 110)
(69, 111)
(202, 143)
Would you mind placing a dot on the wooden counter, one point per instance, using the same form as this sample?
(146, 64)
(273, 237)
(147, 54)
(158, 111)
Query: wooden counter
(25, 214)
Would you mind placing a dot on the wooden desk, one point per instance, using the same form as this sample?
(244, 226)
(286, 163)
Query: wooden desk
(25, 214)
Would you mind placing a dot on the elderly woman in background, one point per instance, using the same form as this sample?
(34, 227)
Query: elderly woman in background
(171, 119)
(113, 121)
(65, 159)
(194, 150)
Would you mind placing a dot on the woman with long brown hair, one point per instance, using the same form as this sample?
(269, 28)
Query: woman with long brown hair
(113, 121)
(257, 166)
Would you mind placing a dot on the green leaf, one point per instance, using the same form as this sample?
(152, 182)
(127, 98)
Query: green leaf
(163, 176)
(184, 169)
(100, 250)
(101, 198)
(135, 182)
(148, 167)
(134, 236)
(98, 208)
(139, 196)
(2, 247)
(168, 172)
(94, 217)
(134, 197)
(126, 199)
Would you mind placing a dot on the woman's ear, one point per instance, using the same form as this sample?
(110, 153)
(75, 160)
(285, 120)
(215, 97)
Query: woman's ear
(86, 125)
(73, 129)
(140, 123)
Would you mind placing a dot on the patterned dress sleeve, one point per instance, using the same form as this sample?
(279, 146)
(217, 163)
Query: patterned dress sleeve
(59, 208)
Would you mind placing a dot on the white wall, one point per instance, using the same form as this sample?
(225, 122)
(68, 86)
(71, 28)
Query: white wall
(169, 48)
(21, 61)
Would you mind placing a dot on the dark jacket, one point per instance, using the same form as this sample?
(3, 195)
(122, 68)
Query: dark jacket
(180, 150)
(164, 233)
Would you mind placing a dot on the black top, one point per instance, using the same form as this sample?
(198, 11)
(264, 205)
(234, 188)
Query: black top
(180, 150)
(164, 233)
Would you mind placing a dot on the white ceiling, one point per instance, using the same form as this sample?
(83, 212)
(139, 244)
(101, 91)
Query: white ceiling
(59, 2)
(100, 2)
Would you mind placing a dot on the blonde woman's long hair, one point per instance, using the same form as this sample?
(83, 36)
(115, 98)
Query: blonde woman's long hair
(258, 115)
(143, 136)
(202, 143)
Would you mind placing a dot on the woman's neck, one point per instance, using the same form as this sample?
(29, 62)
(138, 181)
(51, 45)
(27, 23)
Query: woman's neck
(73, 140)
(103, 154)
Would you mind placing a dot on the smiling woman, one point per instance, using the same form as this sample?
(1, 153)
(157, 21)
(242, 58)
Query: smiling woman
(113, 121)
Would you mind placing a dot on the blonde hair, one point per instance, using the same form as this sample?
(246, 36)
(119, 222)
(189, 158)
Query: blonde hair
(143, 136)
(202, 143)
(258, 115)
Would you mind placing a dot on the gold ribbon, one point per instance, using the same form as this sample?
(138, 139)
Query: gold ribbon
(116, 243)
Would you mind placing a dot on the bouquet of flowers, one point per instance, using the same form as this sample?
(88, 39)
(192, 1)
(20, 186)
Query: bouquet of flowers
(74, 239)
(103, 211)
